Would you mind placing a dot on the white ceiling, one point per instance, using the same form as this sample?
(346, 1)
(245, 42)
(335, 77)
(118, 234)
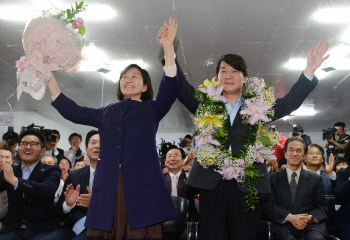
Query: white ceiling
(267, 33)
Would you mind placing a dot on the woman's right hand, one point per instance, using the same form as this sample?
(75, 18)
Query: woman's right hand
(168, 35)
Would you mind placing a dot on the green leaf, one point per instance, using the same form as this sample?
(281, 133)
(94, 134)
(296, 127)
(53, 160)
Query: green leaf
(81, 30)
(268, 85)
(270, 116)
(69, 14)
(265, 140)
(76, 5)
(81, 4)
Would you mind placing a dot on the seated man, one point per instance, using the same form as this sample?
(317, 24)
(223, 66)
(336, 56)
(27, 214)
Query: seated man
(74, 202)
(296, 205)
(46, 159)
(10, 141)
(5, 155)
(176, 180)
(74, 152)
(314, 159)
(31, 188)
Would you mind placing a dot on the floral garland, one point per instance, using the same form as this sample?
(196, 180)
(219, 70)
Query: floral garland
(211, 134)
(68, 16)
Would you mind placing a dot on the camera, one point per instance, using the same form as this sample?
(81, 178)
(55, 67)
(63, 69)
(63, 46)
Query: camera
(328, 133)
(46, 132)
(11, 137)
(295, 130)
(183, 143)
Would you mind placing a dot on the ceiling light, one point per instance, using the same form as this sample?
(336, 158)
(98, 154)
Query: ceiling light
(304, 110)
(98, 13)
(16, 13)
(296, 64)
(332, 15)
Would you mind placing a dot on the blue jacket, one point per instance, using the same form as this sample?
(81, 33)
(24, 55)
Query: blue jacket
(128, 137)
(327, 183)
(36, 209)
(342, 196)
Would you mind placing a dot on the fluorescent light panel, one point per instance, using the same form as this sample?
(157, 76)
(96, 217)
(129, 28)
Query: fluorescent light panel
(332, 15)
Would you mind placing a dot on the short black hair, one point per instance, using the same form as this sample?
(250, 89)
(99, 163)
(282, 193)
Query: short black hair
(340, 124)
(80, 160)
(300, 129)
(282, 161)
(14, 134)
(36, 133)
(188, 136)
(65, 158)
(89, 135)
(57, 132)
(173, 147)
(148, 95)
(294, 139)
(235, 61)
(75, 135)
(6, 149)
(318, 147)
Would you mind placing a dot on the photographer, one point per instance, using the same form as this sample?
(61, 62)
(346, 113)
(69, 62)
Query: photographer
(185, 143)
(10, 141)
(298, 131)
(51, 146)
(342, 140)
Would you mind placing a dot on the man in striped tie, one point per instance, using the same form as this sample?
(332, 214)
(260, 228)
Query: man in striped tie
(296, 205)
(74, 201)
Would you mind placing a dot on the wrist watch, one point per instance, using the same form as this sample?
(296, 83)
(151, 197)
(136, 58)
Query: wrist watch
(312, 219)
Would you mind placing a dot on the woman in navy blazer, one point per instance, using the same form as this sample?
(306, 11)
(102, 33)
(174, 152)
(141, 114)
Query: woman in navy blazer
(127, 134)
(342, 196)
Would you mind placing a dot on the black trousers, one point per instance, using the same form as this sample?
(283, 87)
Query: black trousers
(223, 216)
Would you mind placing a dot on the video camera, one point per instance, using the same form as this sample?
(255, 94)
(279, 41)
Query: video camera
(11, 140)
(328, 133)
(46, 132)
(295, 130)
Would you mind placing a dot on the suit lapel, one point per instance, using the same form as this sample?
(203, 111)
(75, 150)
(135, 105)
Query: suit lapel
(238, 117)
(17, 170)
(36, 171)
(84, 180)
(301, 189)
(181, 183)
(168, 181)
(284, 188)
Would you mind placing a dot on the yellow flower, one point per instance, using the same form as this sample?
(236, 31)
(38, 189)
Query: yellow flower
(215, 83)
(210, 119)
(211, 159)
(210, 162)
(199, 160)
(206, 82)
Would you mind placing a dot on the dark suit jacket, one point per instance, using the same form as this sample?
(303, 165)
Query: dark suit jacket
(207, 178)
(36, 208)
(342, 196)
(327, 183)
(309, 198)
(60, 154)
(184, 191)
(80, 176)
(127, 133)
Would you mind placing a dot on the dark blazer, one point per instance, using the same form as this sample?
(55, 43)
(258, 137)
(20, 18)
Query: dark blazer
(207, 178)
(309, 198)
(60, 154)
(342, 196)
(127, 133)
(184, 191)
(80, 176)
(327, 183)
(36, 208)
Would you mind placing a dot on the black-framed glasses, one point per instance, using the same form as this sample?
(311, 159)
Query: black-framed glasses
(24, 144)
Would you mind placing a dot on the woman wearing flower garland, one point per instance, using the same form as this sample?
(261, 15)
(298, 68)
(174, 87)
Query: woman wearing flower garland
(127, 132)
(222, 212)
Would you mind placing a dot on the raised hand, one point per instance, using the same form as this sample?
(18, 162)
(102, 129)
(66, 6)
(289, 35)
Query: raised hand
(329, 166)
(71, 195)
(8, 173)
(170, 29)
(315, 58)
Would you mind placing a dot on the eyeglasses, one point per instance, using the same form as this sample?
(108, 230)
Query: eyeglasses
(175, 156)
(314, 153)
(24, 144)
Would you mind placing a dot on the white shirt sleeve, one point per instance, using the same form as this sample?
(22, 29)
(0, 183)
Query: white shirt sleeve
(333, 176)
(170, 71)
(67, 209)
(55, 96)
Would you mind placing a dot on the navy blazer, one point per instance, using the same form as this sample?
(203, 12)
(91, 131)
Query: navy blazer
(128, 137)
(309, 198)
(36, 209)
(208, 179)
(80, 176)
(342, 196)
(327, 183)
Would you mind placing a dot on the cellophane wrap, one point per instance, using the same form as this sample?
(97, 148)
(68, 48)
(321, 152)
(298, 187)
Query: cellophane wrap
(51, 39)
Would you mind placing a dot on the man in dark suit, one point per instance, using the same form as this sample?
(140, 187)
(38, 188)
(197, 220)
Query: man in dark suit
(296, 205)
(31, 188)
(74, 201)
(176, 181)
(221, 203)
